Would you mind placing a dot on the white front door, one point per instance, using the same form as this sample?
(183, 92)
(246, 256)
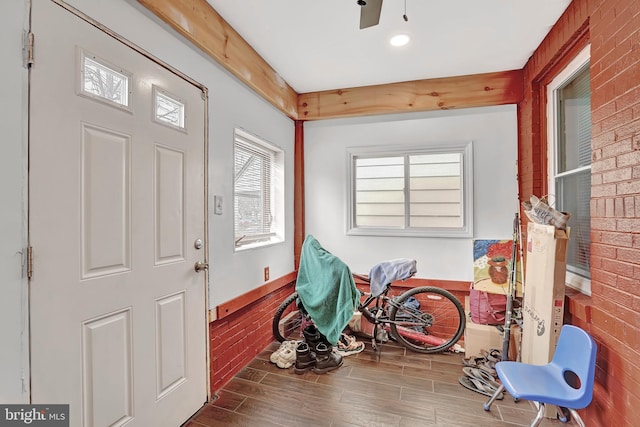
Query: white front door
(117, 203)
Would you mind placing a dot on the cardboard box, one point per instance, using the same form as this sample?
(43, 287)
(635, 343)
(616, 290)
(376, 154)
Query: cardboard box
(480, 337)
(483, 337)
(359, 325)
(543, 302)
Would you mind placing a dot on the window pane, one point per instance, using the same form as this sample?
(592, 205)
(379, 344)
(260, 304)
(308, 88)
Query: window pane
(573, 193)
(252, 197)
(574, 133)
(411, 191)
(168, 109)
(379, 198)
(435, 190)
(105, 82)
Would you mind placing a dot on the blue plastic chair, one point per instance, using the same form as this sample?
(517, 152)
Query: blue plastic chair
(567, 381)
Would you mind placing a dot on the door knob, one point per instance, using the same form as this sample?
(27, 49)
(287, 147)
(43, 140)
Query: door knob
(201, 266)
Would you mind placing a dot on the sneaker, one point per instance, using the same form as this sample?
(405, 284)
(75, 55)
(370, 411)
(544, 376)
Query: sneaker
(285, 356)
(347, 345)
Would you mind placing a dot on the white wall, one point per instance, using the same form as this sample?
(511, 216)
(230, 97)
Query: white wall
(493, 131)
(14, 355)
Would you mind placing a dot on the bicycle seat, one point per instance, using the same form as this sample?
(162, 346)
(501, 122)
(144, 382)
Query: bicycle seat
(386, 272)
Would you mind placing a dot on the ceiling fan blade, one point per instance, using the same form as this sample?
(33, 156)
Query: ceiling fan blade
(370, 13)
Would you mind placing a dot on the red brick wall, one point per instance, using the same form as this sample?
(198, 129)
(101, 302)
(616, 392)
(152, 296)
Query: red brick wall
(237, 338)
(613, 313)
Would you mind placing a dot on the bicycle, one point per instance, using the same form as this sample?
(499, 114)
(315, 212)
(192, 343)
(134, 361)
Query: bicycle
(425, 319)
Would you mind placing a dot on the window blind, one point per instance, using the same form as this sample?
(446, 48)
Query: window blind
(252, 187)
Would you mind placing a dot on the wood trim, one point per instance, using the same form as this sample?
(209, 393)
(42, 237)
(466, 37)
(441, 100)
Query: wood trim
(197, 21)
(478, 90)
(253, 295)
(298, 192)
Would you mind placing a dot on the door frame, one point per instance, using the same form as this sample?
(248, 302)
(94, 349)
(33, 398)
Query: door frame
(205, 136)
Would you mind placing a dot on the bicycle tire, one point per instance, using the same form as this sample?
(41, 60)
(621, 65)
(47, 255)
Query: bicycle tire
(442, 320)
(292, 330)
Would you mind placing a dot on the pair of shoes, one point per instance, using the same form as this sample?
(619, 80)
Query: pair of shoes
(323, 360)
(480, 381)
(486, 362)
(347, 345)
(313, 337)
(285, 356)
(479, 386)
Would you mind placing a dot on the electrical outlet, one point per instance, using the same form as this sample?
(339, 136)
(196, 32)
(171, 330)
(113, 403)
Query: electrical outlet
(266, 274)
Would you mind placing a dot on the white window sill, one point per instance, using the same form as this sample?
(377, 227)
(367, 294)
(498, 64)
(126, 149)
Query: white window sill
(263, 243)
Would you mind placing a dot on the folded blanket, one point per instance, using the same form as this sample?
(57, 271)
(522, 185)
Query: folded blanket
(326, 289)
(389, 271)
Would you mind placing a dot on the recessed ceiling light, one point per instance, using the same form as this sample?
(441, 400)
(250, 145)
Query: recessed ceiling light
(399, 40)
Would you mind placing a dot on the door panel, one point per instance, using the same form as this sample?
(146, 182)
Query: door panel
(105, 201)
(118, 313)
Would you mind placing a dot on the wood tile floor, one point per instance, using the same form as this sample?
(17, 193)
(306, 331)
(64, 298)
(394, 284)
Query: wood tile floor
(402, 388)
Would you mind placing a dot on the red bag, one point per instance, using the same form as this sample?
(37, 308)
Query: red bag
(487, 308)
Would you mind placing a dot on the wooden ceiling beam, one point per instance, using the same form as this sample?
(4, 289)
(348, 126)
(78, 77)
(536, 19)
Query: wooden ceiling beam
(478, 90)
(205, 28)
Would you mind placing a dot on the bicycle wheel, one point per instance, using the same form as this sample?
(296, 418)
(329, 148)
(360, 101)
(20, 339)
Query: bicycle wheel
(427, 319)
(288, 320)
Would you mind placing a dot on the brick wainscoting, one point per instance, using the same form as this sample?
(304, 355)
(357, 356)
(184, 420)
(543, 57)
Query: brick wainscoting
(240, 335)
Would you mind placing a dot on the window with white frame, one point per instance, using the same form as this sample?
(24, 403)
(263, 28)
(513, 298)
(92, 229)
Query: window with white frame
(569, 154)
(411, 191)
(258, 191)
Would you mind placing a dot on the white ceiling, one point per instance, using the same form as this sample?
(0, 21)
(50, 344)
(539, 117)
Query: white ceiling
(317, 44)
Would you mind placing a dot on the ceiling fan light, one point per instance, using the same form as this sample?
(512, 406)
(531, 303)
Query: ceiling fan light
(399, 40)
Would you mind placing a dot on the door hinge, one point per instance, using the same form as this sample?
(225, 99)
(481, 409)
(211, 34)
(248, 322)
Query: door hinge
(28, 49)
(29, 262)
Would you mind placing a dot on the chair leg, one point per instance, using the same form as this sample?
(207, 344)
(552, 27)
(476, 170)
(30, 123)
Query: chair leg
(576, 417)
(539, 416)
(487, 406)
(563, 414)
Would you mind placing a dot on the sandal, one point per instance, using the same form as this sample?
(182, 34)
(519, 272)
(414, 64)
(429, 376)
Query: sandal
(481, 375)
(489, 368)
(493, 355)
(479, 386)
(473, 362)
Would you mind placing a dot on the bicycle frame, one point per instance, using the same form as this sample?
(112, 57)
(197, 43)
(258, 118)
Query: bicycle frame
(381, 317)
